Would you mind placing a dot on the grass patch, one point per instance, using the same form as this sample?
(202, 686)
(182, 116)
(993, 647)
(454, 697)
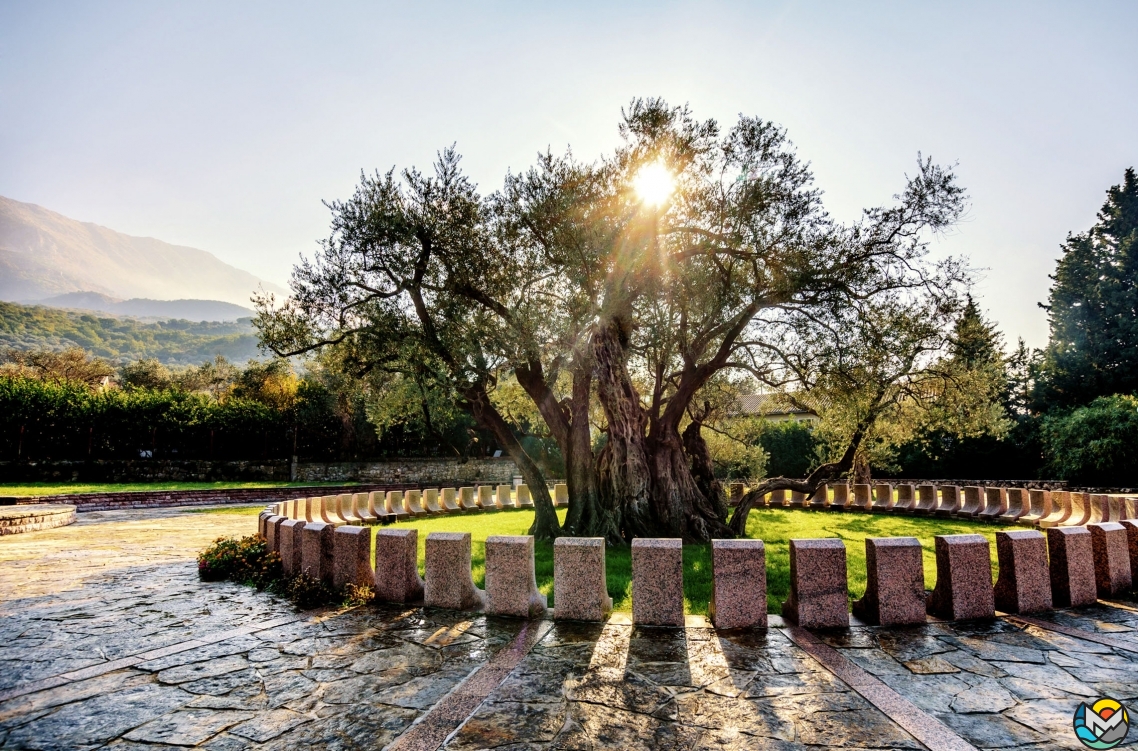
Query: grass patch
(71, 488)
(776, 527)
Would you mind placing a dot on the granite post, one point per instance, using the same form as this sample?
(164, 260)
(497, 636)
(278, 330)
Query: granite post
(819, 592)
(579, 584)
(1112, 559)
(657, 582)
(1071, 566)
(316, 554)
(894, 582)
(739, 584)
(351, 557)
(1024, 583)
(963, 578)
(511, 581)
(397, 566)
(449, 581)
(292, 544)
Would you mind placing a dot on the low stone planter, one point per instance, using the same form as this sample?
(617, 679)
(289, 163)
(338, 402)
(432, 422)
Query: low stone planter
(17, 519)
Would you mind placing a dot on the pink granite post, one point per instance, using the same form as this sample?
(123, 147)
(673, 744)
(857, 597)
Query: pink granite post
(739, 584)
(579, 584)
(906, 498)
(1024, 584)
(351, 557)
(560, 495)
(511, 582)
(1017, 506)
(1131, 527)
(316, 555)
(926, 500)
(431, 501)
(882, 498)
(291, 546)
(973, 502)
(468, 501)
(819, 596)
(450, 583)
(963, 578)
(995, 505)
(894, 582)
(862, 499)
(950, 501)
(1112, 559)
(397, 566)
(841, 498)
(448, 501)
(657, 582)
(1072, 566)
(1060, 509)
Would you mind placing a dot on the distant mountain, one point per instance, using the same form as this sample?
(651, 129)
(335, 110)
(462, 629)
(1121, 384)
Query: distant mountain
(123, 340)
(189, 310)
(44, 254)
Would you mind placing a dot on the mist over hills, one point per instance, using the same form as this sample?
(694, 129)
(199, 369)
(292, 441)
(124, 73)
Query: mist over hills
(44, 254)
(189, 310)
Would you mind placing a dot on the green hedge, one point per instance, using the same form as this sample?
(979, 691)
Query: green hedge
(1096, 444)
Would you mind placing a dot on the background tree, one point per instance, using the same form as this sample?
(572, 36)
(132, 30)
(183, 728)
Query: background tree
(1093, 307)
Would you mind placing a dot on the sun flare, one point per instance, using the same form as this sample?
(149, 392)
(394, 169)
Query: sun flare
(654, 183)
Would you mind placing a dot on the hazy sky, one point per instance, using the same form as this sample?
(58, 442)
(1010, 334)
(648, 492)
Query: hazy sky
(223, 125)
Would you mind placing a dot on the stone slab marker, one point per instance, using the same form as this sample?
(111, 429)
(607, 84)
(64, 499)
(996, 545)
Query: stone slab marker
(343, 509)
(995, 504)
(882, 497)
(657, 582)
(1112, 558)
(291, 546)
(963, 578)
(1080, 510)
(468, 501)
(797, 499)
(376, 507)
(778, 499)
(862, 497)
(261, 519)
(448, 500)
(1131, 527)
(431, 501)
(580, 589)
(311, 510)
(1017, 506)
(949, 500)
(735, 493)
(393, 504)
(819, 592)
(503, 497)
(316, 555)
(894, 582)
(272, 527)
(739, 584)
(411, 503)
(906, 498)
(525, 500)
(328, 510)
(1060, 509)
(486, 498)
(560, 495)
(1038, 506)
(1115, 507)
(360, 508)
(1072, 566)
(450, 583)
(511, 582)
(1024, 583)
(1097, 504)
(397, 566)
(820, 499)
(926, 500)
(351, 557)
(973, 501)
(841, 496)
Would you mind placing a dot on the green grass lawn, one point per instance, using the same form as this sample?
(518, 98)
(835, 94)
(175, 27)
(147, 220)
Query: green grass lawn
(775, 527)
(70, 488)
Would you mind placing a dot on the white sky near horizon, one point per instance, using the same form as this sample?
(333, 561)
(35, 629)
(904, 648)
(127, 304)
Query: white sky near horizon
(224, 125)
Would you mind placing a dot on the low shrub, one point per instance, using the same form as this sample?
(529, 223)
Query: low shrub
(246, 561)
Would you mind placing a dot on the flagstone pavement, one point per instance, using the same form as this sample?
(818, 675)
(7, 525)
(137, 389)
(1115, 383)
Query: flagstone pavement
(108, 640)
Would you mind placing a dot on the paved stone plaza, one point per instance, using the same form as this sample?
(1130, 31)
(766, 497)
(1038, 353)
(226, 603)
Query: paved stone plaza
(110, 641)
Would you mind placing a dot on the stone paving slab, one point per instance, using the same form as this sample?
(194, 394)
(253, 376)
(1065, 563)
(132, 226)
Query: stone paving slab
(139, 654)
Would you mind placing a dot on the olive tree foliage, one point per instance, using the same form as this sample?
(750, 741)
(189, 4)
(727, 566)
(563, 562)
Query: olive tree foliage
(568, 280)
(390, 291)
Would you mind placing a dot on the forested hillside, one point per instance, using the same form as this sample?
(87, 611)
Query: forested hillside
(123, 340)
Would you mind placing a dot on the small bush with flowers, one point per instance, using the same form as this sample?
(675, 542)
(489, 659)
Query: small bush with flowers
(246, 561)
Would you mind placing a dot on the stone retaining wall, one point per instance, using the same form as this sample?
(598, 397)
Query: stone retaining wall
(17, 519)
(411, 471)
